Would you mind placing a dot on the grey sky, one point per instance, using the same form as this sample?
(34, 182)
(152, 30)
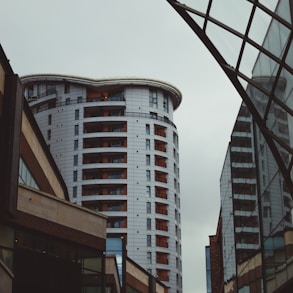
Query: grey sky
(139, 38)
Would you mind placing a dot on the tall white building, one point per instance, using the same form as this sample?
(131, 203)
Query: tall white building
(116, 145)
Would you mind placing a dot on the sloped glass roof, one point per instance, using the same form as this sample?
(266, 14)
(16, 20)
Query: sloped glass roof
(252, 42)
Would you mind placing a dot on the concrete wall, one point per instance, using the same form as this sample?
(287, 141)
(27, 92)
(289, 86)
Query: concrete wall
(59, 211)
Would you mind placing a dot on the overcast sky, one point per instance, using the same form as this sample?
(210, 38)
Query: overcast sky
(139, 38)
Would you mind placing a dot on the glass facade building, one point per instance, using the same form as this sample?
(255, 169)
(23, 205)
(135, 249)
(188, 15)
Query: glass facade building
(252, 42)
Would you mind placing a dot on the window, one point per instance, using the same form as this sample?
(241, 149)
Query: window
(149, 257)
(75, 176)
(79, 99)
(149, 240)
(76, 129)
(66, 87)
(50, 89)
(67, 101)
(267, 212)
(153, 99)
(166, 103)
(148, 191)
(30, 91)
(49, 119)
(149, 224)
(147, 129)
(48, 134)
(74, 191)
(148, 160)
(148, 208)
(75, 160)
(76, 114)
(25, 175)
(148, 144)
(148, 175)
(75, 144)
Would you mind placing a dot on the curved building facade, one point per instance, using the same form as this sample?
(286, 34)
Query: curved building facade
(116, 146)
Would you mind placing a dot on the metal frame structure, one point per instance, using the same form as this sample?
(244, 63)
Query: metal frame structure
(191, 15)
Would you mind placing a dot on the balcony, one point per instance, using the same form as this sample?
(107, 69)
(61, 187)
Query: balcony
(162, 258)
(106, 206)
(104, 190)
(163, 275)
(97, 127)
(91, 174)
(117, 222)
(104, 158)
(161, 176)
(103, 142)
(161, 208)
(160, 146)
(161, 161)
(100, 111)
(162, 241)
(161, 192)
(160, 130)
(161, 225)
(105, 96)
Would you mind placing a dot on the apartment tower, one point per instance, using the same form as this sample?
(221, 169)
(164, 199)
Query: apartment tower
(116, 146)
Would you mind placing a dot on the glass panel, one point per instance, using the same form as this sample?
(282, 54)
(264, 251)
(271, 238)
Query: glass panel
(249, 56)
(198, 19)
(264, 66)
(227, 44)
(234, 14)
(289, 59)
(201, 6)
(258, 98)
(271, 4)
(259, 26)
(243, 82)
(283, 10)
(276, 39)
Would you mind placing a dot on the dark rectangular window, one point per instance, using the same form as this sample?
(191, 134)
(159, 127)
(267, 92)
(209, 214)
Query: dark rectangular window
(242, 126)
(148, 208)
(74, 191)
(75, 176)
(153, 99)
(149, 240)
(49, 119)
(147, 129)
(76, 129)
(248, 173)
(241, 157)
(48, 134)
(244, 188)
(75, 160)
(76, 115)
(66, 87)
(148, 175)
(75, 144)
(149, 224)
(148, 160)
(166, 103)
(239, 141)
